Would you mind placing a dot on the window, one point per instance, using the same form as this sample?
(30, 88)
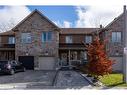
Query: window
(116, 36)
(85, 55)
(88, 39)
(26, 37)
(68, 39)
(11, 40)
(46, 36)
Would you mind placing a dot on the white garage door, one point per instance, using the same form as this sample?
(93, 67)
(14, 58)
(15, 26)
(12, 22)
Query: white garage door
(46, 63)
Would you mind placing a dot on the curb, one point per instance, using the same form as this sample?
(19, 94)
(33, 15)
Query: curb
(84, 76)
(12, 86)
(90, 81)
(55, 78)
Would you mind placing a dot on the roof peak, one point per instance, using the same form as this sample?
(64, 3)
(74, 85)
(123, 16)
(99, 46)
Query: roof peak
(35, 11)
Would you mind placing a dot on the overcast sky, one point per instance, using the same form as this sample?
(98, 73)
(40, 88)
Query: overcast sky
(64, 16)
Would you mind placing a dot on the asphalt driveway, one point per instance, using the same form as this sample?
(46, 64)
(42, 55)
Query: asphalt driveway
(30, 76)
(44, 80)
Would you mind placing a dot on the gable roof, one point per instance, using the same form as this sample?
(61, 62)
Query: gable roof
(35, 11)
(117, 18)
(78, 30)
(7, 33)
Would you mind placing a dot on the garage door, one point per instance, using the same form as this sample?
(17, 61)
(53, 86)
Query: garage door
(28, 62)
(46, 63)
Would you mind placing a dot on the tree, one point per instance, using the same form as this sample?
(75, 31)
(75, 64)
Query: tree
(99, 63)
(5, 26)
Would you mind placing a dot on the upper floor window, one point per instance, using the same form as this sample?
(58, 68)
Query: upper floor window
(116, 36)
(46, 36)
(11, 40)
(68, 39)
(26, 37)
(88, 39)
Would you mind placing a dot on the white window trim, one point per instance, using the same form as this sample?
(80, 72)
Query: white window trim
(88, 39)
(68, 39)
(11, 40)
(47, 39)
(27, 39)
(116, 39)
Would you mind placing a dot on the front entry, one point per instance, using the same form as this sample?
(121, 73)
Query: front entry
(64, 58)
(27, 61)
(70, 57)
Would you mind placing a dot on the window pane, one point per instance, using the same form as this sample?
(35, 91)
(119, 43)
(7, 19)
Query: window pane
(11, 40)
(46, 36)
(68, 39)
(113, 36)
(26, 38)
(118, 36)
(88, 39)
(49, 36)
(43, 36)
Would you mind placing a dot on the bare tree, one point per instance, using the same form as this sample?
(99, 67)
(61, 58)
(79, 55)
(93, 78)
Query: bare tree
(5, 26)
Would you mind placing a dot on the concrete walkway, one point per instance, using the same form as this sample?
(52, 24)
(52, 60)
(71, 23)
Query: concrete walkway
(71, 79)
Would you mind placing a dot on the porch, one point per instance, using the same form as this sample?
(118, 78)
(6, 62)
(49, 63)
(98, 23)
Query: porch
(71, 57)
(7, 51)
(7, 54)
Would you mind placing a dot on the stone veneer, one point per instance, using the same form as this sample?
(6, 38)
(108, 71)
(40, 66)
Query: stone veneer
(36, 24)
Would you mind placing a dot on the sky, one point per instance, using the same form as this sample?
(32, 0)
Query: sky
(62, 16)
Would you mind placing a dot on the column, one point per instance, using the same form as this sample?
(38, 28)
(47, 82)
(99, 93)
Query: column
(69, 58)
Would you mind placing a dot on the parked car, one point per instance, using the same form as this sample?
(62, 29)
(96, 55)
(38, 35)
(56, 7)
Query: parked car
(10, 67)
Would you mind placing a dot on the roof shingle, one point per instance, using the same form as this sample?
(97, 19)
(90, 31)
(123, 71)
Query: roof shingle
(78, 30)
(7, 33)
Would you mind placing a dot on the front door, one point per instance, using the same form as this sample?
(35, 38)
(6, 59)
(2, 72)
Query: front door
(64, 59)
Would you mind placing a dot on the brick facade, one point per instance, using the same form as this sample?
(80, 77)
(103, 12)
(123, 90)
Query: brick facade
(116, 49)
(36, 24)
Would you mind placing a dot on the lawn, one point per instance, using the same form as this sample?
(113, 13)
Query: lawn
(113, 80)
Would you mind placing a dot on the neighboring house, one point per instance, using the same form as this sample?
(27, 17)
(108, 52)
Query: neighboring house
(39, 44)
(115, 32)
(71, 44)
(7, 45)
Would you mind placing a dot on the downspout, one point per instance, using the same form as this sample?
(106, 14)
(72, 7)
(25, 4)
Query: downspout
(125, 45)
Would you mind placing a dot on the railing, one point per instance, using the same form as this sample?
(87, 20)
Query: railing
(6, 45)
(72, 63)
(71, 45)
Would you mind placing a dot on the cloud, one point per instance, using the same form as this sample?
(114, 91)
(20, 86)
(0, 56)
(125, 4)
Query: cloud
(93, 16)
(67, 24)
(11, 15)
(64, 24)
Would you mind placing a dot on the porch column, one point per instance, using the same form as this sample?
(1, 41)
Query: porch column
(69, 57)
